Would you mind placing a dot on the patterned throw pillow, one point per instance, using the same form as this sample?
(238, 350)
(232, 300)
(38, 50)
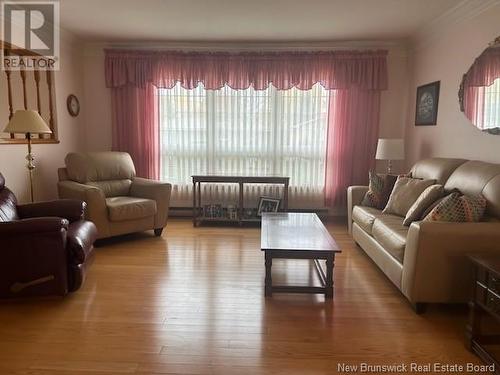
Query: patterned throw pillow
(426, 199)
(379, 190)
(406, 191)
(436, 202)
(458, 208)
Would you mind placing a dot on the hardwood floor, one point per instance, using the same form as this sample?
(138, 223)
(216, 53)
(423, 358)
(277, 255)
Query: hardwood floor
(192, 302)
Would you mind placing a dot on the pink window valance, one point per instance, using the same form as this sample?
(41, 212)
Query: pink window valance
(485, 69)
(333, 70)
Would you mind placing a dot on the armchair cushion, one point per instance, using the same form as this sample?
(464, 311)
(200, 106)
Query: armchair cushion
(130, 208)
(70, 209)
(113, 188)
(99, 166)
(81, 237)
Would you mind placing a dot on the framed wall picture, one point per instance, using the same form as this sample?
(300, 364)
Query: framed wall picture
(268, 205)
(426, 108)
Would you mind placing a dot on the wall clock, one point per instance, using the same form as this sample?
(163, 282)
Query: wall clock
(73, 105)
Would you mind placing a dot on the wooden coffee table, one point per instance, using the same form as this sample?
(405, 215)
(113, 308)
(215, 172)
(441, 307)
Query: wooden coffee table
(298, 236)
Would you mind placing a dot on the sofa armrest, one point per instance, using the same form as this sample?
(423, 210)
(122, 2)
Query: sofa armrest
(96, 210)
(32, 226)
(355, 195)
(70, 209)
(156, 190)
(435, 265)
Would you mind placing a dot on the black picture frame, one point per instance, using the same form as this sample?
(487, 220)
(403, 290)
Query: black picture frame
(267, 204)
(426, 105)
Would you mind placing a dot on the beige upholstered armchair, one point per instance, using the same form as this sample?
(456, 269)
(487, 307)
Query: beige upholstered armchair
(118, 202)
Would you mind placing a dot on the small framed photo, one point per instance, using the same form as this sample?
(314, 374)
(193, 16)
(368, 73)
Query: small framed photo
(267, 204)
(426, 108)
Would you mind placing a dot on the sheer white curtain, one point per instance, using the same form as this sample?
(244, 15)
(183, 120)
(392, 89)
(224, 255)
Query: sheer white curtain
(492, 105)
(244, 132)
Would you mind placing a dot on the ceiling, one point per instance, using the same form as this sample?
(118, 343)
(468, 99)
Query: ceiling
(248, 20)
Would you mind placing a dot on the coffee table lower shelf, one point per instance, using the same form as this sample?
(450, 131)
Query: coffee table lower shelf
(325, 276)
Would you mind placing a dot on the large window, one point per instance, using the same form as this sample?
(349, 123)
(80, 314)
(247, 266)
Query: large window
(244, 132)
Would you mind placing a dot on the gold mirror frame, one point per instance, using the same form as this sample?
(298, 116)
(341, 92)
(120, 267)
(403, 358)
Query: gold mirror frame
(461, 90)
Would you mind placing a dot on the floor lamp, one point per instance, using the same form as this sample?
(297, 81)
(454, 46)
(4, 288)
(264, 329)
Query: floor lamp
(28, 122)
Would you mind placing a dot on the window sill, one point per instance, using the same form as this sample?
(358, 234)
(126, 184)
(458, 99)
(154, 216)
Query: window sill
(6, 141)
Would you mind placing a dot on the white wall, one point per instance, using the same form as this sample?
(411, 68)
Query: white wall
(445, 55)
(48, 157)
(98, 100)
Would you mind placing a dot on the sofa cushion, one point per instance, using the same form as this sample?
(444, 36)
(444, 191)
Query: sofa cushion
(438, 169)
(365, 217)
(406, 191)
(130, 208)
(390, 233)
(424, 201)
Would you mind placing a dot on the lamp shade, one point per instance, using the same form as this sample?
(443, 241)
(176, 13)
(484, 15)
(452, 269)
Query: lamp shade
(27, 121)
(390, 149)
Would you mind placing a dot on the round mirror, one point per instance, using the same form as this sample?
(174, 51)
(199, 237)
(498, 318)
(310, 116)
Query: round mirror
(479, 92)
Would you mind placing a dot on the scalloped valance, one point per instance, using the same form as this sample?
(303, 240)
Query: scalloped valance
(485, 70)
(284, 70)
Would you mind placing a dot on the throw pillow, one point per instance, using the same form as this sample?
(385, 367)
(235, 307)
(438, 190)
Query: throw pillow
(406, 191)
(436, 202)
(458, 208)
(427, 198)
(379, 189)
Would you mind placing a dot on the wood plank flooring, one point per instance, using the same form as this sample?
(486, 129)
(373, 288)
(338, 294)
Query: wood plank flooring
(192, 302)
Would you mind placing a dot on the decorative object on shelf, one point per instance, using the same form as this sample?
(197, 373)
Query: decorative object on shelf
(267, 204)
(390, 149)
(213, 211)
(232, 212)
(427, 104)
(250, 213)
(243, 214)
(28, 122)
(479, 92)
(73, 105)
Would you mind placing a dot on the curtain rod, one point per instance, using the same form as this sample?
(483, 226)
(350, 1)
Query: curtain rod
(227, 46)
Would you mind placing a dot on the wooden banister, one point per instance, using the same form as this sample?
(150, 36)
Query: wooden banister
(46, 107)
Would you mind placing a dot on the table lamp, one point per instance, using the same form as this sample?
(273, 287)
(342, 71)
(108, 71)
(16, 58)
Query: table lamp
(28, 122)
(390, 149)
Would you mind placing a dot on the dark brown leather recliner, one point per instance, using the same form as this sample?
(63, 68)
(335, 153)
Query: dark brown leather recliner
(44, 247)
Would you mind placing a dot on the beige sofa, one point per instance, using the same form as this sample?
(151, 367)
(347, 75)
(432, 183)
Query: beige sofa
(118, 202)
(427, 261)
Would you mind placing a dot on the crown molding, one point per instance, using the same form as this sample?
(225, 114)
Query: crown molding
(463, 11)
